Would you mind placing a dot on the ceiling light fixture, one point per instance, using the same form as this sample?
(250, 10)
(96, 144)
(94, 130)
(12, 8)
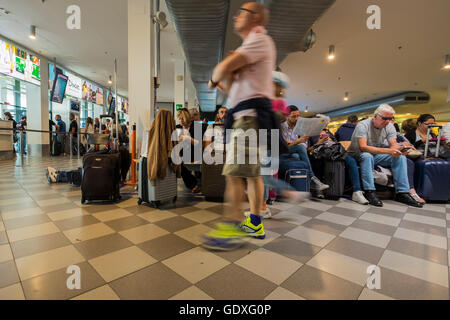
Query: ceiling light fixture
(33, 32)
(110, 80)
(331, 54)
(306, 109)
(447, 62)
(346, 96)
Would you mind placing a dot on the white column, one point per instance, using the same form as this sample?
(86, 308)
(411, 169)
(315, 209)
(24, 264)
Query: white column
(140, 66)
(179, 90)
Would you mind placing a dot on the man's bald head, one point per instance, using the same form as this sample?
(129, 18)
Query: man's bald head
(261, 10)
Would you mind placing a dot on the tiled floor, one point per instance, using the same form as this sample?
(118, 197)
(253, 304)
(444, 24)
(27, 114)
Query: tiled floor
(316, 250)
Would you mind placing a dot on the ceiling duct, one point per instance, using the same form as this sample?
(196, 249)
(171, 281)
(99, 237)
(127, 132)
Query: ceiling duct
(201, 28)
(412, 97)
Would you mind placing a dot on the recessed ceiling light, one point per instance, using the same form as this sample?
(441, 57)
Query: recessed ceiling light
(447, 62)
(346, 96)
(331, 53)
(32, 32)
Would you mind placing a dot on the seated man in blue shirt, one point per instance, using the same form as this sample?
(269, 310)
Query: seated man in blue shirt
(296, 145)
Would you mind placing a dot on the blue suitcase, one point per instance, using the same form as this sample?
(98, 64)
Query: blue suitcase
(296, 173)
(432, 179)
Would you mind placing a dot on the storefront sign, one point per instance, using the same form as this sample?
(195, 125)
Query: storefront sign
(74, 86)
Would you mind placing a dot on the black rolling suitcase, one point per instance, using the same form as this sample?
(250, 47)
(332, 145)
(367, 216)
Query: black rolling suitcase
(56, 148)
(334, 176)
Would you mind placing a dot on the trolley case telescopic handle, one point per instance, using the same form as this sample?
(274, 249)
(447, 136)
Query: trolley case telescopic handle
(427, 142)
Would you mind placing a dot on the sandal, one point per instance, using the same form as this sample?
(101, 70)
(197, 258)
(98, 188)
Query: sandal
(195, 189)
(416, 197)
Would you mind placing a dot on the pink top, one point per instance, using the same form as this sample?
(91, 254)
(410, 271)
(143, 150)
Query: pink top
(255, 79)
(280, 105)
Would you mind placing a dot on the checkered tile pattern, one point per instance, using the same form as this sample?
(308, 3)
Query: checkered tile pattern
(316, 250)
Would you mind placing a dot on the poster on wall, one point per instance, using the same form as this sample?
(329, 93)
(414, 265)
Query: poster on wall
(74, 86)
(19, 64)
(92, 93)
(124, 108)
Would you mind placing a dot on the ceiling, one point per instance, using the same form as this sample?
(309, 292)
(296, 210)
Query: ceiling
(91, 50)
(370, 63)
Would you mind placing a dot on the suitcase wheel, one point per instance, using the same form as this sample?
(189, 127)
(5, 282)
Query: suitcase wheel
(83, 200)
(156, 204)
(174, 199)
(139, 201)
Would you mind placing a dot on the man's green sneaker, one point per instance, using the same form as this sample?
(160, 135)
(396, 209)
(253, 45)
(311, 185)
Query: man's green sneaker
(226, 236)
(252, 230)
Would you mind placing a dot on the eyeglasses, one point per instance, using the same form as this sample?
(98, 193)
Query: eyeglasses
(243, 10)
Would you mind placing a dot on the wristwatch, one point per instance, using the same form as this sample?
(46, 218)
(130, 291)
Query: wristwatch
(213, 83)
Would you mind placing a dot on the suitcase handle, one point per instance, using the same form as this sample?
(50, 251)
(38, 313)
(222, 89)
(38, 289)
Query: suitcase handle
(427, 142)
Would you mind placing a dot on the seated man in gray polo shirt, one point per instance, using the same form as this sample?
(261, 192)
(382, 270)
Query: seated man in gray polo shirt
(367, 148)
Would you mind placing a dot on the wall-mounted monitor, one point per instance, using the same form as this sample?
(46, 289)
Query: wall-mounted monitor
(59, 88)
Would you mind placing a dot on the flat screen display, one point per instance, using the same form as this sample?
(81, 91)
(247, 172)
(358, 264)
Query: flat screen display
(74, 106)
(59, 88)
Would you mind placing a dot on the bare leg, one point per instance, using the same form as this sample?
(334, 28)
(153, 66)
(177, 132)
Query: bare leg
(234, 192)
(255, 194)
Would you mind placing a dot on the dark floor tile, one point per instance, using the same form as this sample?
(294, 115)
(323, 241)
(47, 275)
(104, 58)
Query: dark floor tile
(76, 222)
(386, 212)
(46, 196)
(403, 287)
(311, 283)
(324, 226)
(53, 285)
(100, 207)
(279, 227)
(424, 212)
(25, 221)
(60, 207)
(156, 282)
(239, 253)
(16, 207)
(374, 227)
(297, 250)
(126, 223)
(175, 224)
(10, 196)
(236, 283)
(139, 209)
(39, 244)
(306, 211)
(356, 249)
(103, 245)
(421, 227)
(346, 212)
(419, 250)
(183, 210)
(166, 246)
(8, 274)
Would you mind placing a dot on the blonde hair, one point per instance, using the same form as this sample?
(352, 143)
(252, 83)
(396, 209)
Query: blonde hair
(384, 108)
(184, 113)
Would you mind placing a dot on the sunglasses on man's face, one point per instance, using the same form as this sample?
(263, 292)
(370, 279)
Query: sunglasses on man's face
(386, 118)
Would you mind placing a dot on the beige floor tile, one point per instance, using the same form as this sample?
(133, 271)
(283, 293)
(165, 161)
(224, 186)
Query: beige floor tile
(13, 292)
(395, 207)
(425, 220)
(352, 206)
(15, 201)
(44, 262)
(202, 216)
(283, 294)
(66, 214)
(415, 267)
(111, 215)
(421, 237)
(196, 264)
(315, 205)
(447, 216)
(308, 235)
(336, 218)
(12, 191)
(372, 238)
(156, 215)
(103, 293)
(256, 262)
(368, 294)
(32, 231)
(291, 217)
(143, 233)
(378, 218)
(431, 207)
(191, 293)
(88, 232)
(119, 263)
(345, 267)
(21, 213)
(2, 226)
(205, 205)
(51, 202)
(194, 234)
(5, 253)
(128, 203)
(42, 192)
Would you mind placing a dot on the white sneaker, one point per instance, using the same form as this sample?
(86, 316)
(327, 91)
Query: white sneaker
(358, 197)
(265, 214)
(316, 184)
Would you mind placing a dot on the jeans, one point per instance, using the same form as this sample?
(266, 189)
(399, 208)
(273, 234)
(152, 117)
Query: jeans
(367, 161)
(299, 153)
(353, 172)
(62, 176)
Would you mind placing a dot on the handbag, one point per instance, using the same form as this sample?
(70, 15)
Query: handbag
(414, 154)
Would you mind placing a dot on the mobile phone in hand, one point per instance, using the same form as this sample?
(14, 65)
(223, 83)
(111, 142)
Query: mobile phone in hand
(405, 149)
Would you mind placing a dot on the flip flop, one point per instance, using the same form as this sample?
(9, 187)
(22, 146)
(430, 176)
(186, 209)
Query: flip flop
(416, 197)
